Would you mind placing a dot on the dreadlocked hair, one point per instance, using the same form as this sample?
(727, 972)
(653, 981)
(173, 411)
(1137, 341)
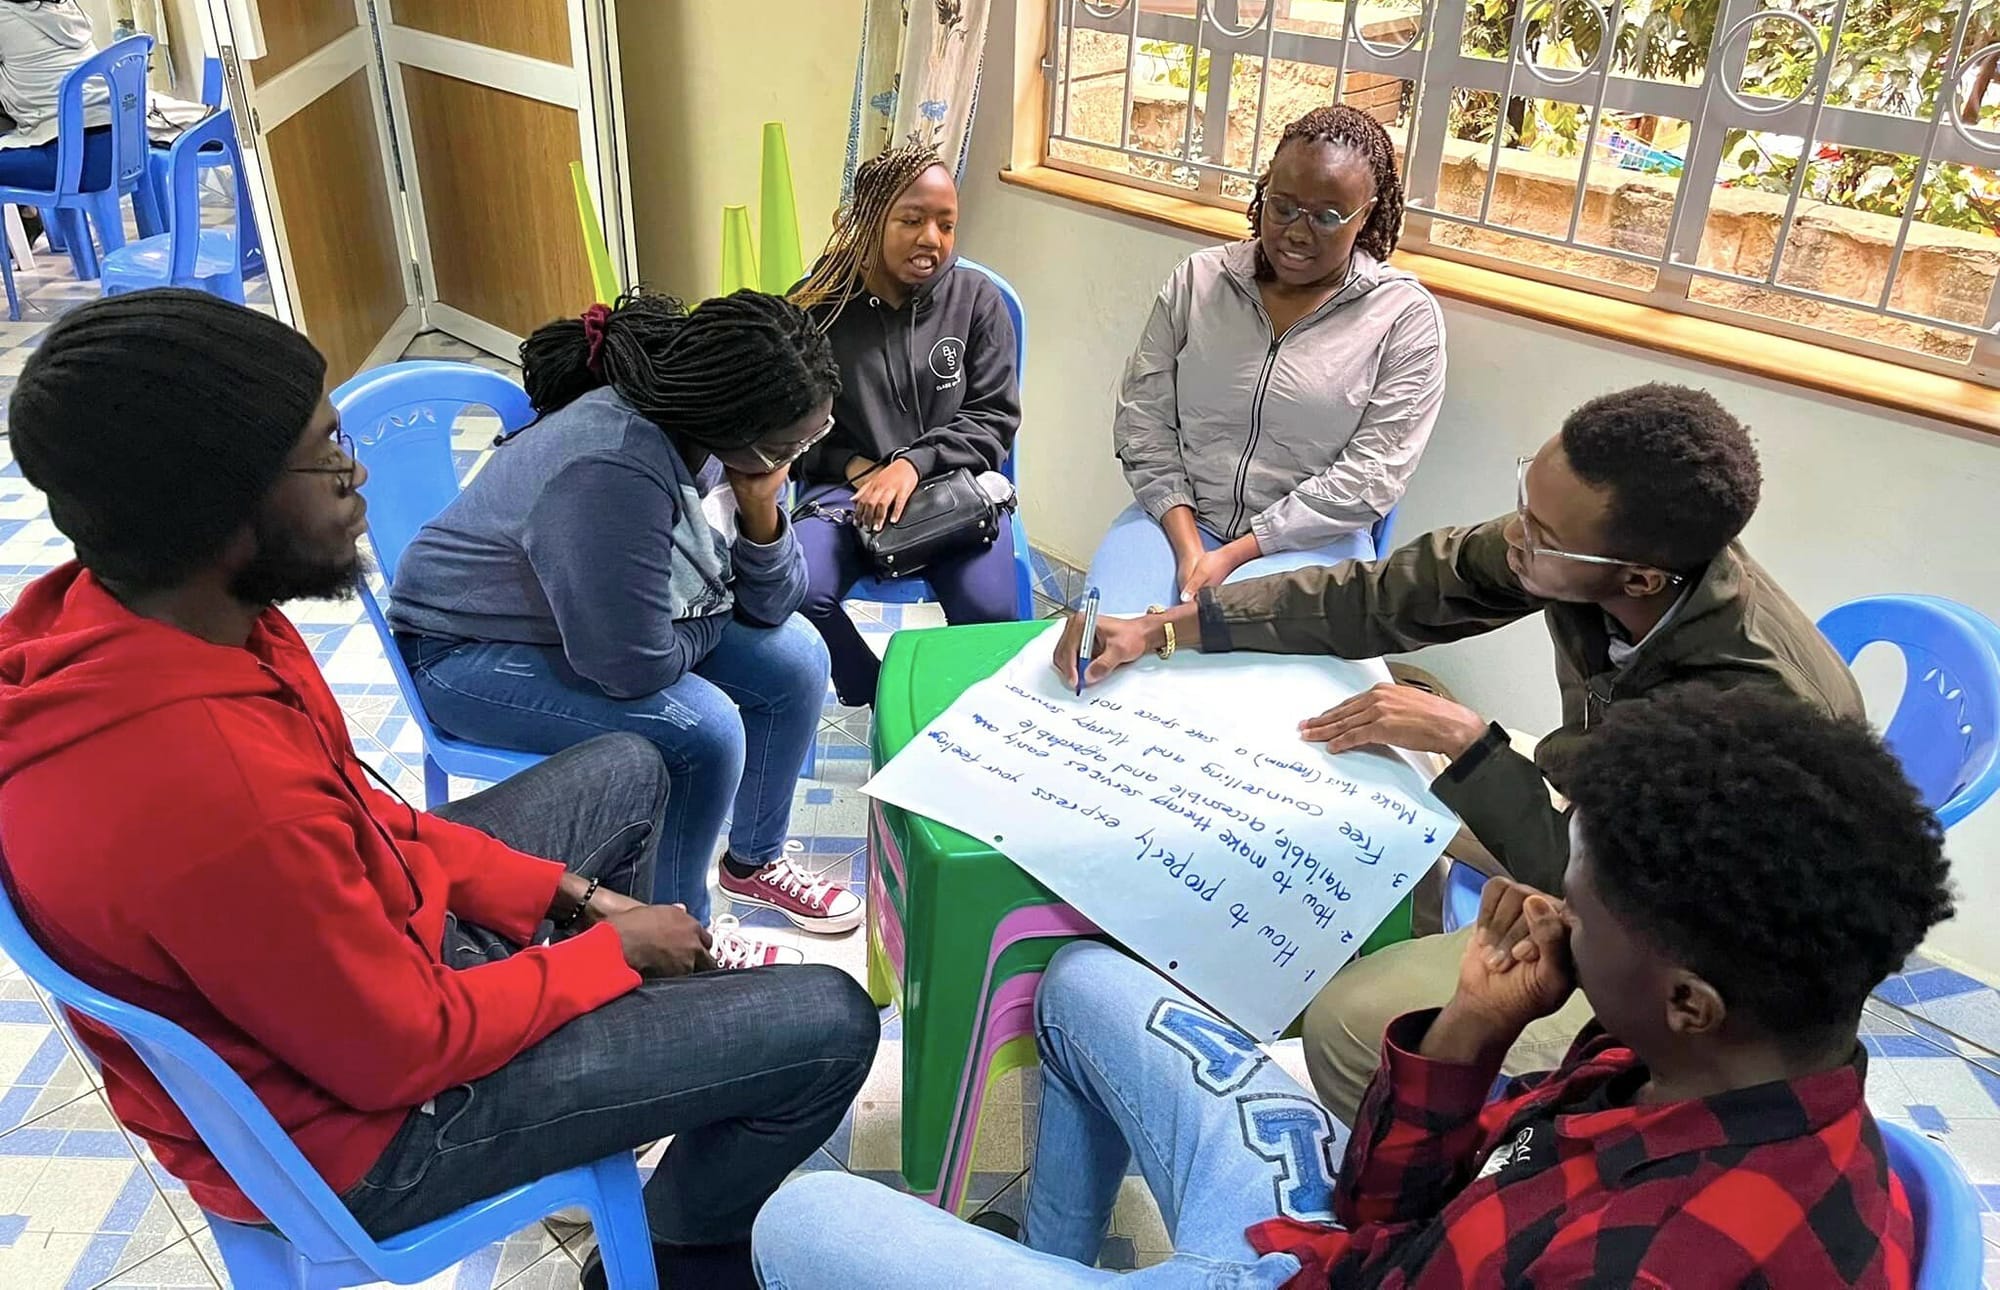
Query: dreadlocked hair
(726, 375)
(857, 228)
(1349, 128)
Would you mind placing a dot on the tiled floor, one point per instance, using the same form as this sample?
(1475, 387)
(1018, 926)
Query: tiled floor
(82, 1205)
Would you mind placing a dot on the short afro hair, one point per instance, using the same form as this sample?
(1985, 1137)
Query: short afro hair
(1780, 853)
(1682, 472)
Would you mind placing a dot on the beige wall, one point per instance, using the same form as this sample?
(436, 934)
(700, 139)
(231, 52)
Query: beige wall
(701, 78)
(1857, 501)
(182, 78)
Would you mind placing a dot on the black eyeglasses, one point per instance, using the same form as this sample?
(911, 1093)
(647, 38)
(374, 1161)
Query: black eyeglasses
(342, 472)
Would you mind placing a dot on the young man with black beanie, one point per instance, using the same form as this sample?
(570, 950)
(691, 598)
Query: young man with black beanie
(185, 824)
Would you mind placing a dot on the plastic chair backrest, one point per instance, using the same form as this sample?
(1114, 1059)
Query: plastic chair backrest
(258, 1155)
(184, 192)
(122, 67)
(1012, 298)
(1950, 1252)
(1384, 533)
(211, 82)
(400, 418)
(1946, 728)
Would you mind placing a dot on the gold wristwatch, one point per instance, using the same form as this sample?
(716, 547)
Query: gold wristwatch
(1165, 651)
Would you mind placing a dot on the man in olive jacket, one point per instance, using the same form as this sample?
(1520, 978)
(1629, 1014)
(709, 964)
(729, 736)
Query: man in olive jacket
(1623, 539)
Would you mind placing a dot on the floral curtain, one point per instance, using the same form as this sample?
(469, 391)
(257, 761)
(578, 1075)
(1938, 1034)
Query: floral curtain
(917, 80)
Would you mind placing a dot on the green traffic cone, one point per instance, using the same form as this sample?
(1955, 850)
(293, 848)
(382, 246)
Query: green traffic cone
(778, 215)
(739, 252)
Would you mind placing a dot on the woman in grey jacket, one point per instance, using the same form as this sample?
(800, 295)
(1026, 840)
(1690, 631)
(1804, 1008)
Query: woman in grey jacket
(1285, 385)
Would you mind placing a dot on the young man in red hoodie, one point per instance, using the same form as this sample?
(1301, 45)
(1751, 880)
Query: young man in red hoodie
(1742, 871)
(185, 825)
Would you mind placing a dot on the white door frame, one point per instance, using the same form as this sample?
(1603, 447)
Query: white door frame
(234, 30)
(588, 85)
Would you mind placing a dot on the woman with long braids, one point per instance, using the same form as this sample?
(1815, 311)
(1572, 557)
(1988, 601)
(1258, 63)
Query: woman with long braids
(926, 354)
(624, 564)
(1285, 385)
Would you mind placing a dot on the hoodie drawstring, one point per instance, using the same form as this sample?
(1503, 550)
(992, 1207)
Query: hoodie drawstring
(888, 363)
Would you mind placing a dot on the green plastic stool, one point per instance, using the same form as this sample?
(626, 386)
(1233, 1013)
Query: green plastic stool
(957, 933)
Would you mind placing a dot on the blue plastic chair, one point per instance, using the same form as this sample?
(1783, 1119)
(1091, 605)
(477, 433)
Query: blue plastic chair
(1384, 533)
(1950, 1254)
(322, 1246)
(400, 418)
(250, 245)
(122, 68)
(914, 590)
(1946, 729)
(186, 255)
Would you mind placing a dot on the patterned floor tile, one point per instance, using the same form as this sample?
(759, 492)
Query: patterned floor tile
(178, 1267)
(82, 1208)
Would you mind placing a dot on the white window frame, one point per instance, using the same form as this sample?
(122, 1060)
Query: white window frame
(1437, 67)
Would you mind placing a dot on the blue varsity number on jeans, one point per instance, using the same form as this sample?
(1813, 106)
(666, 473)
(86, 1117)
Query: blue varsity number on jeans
(1224, 1057)
(1294, 1133)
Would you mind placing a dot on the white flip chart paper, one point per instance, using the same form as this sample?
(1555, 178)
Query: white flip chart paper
(1176, 806)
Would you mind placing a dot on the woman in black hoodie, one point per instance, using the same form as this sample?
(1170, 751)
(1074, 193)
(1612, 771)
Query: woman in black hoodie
(926, 354)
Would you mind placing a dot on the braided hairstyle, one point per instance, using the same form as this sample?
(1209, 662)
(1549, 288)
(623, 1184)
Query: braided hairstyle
(1350, 129)
(734, 371)
(857, 228)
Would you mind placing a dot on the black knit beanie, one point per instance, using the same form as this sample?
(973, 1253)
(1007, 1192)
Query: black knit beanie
(156, 422)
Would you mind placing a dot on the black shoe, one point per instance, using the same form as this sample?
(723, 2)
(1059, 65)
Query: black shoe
(688, 1267)
(997, 1223)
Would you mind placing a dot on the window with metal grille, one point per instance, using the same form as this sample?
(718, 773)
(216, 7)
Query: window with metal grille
(1824, 169)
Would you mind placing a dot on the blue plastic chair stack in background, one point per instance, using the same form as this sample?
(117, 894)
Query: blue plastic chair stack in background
(187, 255)
(1945, 731)
(914, 590)
(66, 204)
(400, 418)
(250, 246)
(318, 1245)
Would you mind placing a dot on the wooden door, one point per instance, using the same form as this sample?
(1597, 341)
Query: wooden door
(493, 102)
(309, 102)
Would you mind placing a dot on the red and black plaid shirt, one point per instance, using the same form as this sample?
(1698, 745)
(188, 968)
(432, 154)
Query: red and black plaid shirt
(1562, 1182)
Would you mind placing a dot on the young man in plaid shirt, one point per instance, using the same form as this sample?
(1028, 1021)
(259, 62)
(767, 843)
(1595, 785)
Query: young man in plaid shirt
(1743, 870)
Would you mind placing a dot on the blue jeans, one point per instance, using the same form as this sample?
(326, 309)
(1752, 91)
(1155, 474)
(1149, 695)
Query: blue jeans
(733, 730)
(974, 588)
(750, 1070)
(1134, 565)
(1130, 1066)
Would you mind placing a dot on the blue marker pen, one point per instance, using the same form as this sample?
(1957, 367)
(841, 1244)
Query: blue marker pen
(1088, 638)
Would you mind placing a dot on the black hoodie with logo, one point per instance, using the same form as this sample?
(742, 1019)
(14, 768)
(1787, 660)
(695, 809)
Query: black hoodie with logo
(932, 382)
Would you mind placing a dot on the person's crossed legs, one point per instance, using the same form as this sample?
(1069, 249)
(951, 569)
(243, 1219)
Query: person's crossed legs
(1131, 1067)
(750, 1070)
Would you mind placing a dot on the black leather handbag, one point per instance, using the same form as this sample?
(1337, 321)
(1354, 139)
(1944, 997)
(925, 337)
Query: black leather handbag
(947, 515)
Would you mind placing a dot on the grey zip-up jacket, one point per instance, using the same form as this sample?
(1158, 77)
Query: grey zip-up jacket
(1299, 438)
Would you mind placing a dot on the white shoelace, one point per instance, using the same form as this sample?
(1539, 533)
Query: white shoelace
(793, 878)
(732, 948)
